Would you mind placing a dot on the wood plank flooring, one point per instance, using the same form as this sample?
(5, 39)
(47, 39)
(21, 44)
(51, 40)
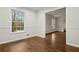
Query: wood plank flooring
(34, 44)
(57, 41)
(54, 42)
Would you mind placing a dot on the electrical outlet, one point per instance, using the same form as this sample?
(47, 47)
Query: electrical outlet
(27, 34)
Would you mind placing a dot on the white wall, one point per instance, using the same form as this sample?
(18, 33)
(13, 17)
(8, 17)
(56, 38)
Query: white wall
(41, 26)
(72, 26)
(30, 26)
(49, 20)
(34, 24)
(59, 16)
(60, 23)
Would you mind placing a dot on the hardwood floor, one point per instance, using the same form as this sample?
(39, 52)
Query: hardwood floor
(57, 42)
(71, 49)
(34, 44)
(54, 42)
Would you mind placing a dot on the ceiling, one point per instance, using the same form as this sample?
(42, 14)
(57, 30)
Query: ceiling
(58, 13)
(40, 8)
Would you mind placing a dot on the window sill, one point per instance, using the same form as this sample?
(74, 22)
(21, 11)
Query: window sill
(17, 32)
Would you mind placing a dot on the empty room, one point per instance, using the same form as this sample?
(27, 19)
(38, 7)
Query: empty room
(39, 29)
(55, 29)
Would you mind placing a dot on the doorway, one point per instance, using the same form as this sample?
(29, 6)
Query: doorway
(56, 29)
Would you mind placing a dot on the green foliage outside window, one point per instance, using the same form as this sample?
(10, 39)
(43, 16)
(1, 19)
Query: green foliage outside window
(17, 20)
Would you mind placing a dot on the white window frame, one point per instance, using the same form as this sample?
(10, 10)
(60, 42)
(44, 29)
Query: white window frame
(19, 31)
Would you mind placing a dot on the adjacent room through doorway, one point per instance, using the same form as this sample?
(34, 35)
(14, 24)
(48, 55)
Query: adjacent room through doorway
(56, 29)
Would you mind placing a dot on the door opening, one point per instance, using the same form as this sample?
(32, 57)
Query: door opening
(56, 29)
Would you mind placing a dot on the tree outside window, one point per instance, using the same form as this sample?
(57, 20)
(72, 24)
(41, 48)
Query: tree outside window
(17, 20)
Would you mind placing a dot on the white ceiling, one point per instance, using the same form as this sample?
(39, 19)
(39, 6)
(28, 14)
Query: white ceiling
(57, 13)
(40, 8)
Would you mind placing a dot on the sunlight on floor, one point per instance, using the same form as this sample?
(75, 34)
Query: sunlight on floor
(53, 37)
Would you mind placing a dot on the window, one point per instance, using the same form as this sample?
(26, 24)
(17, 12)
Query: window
(17, 20)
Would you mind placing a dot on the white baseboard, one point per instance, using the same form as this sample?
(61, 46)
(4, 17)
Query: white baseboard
(72, 45)
(15, 40)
